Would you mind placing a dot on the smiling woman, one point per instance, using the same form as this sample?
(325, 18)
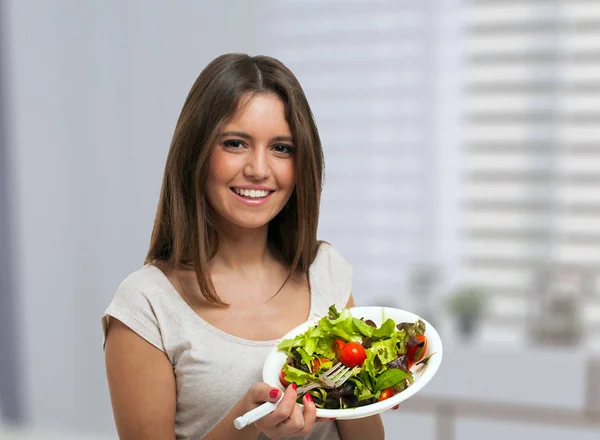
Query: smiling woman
(234, 264)
(251, 175)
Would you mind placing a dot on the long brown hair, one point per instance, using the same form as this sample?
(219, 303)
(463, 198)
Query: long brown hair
(183, 233)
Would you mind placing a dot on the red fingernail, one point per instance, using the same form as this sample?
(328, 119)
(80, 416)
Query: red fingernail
(273, 393)
(396, 407)
(331, 420)
(294, 386)
(309, 397)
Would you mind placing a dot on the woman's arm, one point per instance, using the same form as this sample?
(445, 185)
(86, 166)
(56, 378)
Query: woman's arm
(143, 396)
(358, 429)
(142, 385)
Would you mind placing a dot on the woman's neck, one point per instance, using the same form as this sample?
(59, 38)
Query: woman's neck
(242, 249)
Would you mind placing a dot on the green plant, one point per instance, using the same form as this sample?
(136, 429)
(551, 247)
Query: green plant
(466, 302)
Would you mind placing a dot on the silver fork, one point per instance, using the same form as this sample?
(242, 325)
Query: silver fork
(332, 378)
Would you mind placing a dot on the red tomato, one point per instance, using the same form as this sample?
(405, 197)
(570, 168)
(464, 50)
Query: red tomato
(417, 352)
(420, 353)
(386, 394)
(338, 344)
(353, 354)
(284, 382)
(316, 364)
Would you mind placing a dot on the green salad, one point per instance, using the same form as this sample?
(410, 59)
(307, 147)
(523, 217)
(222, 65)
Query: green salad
(381, 358)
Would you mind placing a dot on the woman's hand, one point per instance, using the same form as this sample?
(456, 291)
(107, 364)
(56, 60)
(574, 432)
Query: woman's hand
(288, 419)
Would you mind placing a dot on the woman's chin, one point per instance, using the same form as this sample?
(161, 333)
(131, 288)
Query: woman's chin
(249, 223)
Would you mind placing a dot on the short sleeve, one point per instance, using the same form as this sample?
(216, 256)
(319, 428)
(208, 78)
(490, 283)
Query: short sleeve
(335, 272)
(343, 275)
(133, 307)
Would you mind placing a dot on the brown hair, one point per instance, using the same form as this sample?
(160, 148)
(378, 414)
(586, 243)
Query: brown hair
(183, 233)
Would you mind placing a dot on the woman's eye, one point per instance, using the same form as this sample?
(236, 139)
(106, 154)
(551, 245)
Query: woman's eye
(234, 145)
(283, 149)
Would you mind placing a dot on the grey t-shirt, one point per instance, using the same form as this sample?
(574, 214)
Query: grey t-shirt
(148, 303)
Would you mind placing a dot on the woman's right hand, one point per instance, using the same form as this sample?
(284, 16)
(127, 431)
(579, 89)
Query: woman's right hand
(288, 419)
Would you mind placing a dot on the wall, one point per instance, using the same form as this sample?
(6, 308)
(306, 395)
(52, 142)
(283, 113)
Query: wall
(94, 92)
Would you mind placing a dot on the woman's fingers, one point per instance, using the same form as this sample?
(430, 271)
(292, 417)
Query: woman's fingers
(263, 392)
(285, 408)
(294, 424)
(289, 418)
(309, 415)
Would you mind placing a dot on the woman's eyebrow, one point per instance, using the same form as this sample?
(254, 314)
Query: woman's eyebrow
(283, 139)
(247, 136)
(237, 133)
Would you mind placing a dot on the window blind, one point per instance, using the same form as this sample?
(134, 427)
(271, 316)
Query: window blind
(369, 69)
(532, 171)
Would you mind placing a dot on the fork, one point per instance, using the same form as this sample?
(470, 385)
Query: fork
(335, 377)
(332, 378)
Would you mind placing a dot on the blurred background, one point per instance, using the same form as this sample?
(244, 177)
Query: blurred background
(462, 144)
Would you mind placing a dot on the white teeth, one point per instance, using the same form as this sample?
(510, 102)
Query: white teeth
(252, 193)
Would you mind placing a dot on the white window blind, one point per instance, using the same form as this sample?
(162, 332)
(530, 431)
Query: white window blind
(372, 73)
(532, 148)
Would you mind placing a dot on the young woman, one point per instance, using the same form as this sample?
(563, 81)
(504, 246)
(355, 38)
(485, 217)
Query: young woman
(233, 265)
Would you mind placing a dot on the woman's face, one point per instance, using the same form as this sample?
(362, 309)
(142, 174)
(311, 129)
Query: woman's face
(251, 175)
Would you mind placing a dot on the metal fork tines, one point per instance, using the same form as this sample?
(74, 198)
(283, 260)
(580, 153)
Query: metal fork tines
(332, 378)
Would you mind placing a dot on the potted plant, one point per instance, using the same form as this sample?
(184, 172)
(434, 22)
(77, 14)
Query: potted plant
(466, 305)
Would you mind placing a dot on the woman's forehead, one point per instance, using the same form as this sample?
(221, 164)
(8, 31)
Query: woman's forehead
(260, 114)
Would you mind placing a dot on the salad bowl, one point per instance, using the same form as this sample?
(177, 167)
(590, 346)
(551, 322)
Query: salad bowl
(421, 372)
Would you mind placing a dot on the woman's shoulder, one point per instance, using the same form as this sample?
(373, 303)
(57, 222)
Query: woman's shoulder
(142, 280)
(330, 257)
(331, 265)
(331, 276)
(142, 275)
(143, 303)
(144, 288)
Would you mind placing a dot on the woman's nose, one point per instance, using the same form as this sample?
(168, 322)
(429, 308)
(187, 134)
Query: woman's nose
(258, 165)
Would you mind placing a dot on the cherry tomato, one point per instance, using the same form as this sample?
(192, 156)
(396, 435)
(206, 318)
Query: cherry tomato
(284, 382)
(386, 394)
(338, 344)
(353, 354)
(420, 353)
(417, 352)
(316, 364)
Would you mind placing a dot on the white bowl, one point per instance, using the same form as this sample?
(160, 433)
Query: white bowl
(275, 360)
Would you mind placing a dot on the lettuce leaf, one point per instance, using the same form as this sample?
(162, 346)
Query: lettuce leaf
(389, 378)
(342, 327)
(385, 349)
(306, 358)
(297, 376)
(370, 365)
(361, 390)
(363, 328)
(387, 329)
